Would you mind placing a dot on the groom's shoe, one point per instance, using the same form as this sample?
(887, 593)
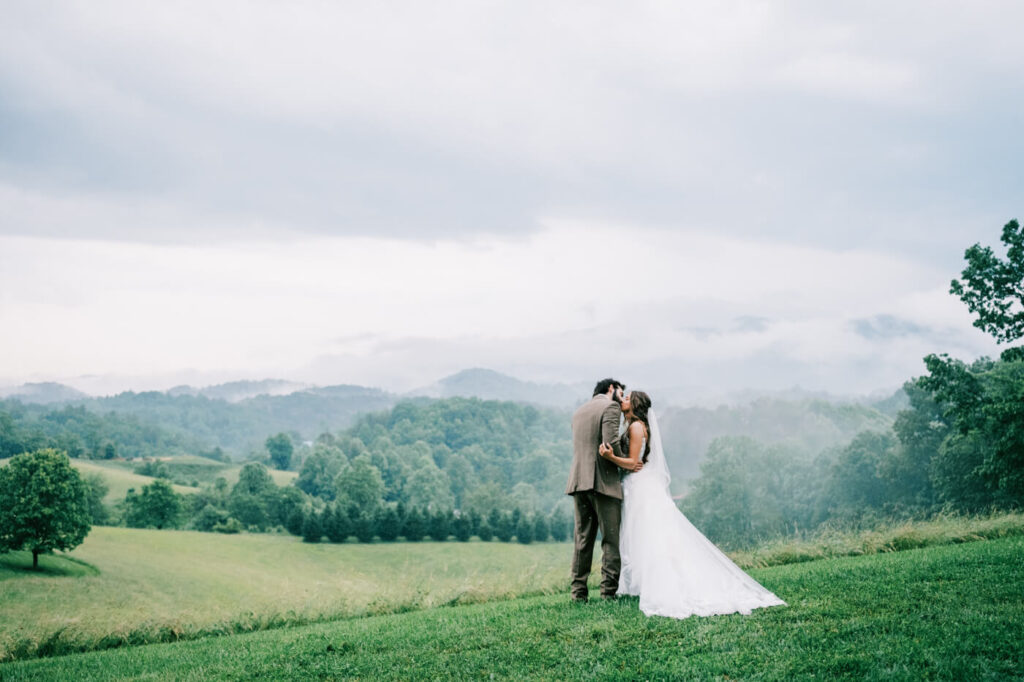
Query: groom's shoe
(580, 599)
(609, 597)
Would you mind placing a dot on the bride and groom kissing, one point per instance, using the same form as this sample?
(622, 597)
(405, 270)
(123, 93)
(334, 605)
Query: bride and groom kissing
(619, 483)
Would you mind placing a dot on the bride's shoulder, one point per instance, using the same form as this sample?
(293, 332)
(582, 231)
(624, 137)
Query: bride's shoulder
(636, 430)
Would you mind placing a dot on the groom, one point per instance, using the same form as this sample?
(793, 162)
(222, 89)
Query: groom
(596, 487)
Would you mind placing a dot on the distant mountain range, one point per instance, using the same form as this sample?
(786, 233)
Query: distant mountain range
(487, 384)
(43, 393)
(235, 391)
(482, 383)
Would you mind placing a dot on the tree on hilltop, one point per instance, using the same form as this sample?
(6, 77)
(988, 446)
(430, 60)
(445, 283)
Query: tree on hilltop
(44, 504)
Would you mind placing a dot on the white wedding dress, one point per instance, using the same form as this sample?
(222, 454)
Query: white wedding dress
(667, 562)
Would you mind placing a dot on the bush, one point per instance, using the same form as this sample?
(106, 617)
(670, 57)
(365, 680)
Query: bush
(365, 526)
(540, 528)
(337, 524)
(312, 527)
(415, 526)
(388, 524)
(208, 518)
(484, 532)
(229, 526)
(462, 528)
(524, 530)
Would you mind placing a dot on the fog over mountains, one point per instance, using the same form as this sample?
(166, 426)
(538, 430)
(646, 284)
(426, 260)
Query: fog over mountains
(485, 384)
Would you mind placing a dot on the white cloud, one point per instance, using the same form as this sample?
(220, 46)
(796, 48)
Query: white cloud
(382, 311)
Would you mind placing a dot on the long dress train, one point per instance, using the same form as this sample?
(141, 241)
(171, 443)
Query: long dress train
(667, 562)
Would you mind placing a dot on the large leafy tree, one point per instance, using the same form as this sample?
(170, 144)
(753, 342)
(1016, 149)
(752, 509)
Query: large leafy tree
(280, 449)
(360, 485)
(157, 506)
(984, 402)
(44, 504)
(993, 288)
(319, 470)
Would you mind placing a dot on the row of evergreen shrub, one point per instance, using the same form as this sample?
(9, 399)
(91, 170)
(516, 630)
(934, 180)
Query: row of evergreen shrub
(337, 524)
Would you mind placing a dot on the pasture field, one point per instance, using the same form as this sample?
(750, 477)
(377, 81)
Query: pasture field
(119, 477)
(948, 612)
(130, 586)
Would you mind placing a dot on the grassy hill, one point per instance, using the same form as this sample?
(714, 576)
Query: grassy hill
(951, 612)
(119, 477)
(148, 585)
(128, 586)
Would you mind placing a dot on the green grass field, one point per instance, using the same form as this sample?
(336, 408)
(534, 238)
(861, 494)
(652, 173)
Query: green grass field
(130, 586)
(147, 585)
(951, 612)
(119, 478)
(119, 474)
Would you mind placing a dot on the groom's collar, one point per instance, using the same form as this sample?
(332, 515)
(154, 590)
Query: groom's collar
(605, 396)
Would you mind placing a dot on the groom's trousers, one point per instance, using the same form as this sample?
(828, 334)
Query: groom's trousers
(596, 511)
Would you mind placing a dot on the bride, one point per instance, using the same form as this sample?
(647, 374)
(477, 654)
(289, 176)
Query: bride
(675, 570)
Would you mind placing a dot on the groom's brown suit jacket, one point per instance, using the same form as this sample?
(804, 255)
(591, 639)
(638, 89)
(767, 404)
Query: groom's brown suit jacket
(595, 422)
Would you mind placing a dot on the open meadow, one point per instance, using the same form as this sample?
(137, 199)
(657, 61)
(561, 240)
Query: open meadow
(120, 478)
(946, 612)
(130, 586)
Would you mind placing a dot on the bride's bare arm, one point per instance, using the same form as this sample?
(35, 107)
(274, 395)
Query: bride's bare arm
(631, 462)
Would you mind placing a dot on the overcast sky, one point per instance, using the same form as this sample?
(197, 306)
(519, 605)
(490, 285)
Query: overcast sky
(718, 195)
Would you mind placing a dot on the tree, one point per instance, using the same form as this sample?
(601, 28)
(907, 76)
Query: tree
(993, 288)
(280, 449)
(440, 525)
(208, 518)
(360, 484)
(720, 500)
(281, 505)
(921, 429)
(415, 526)
(505, 527)
(295, 520)
(320, 470)
(541, 531)
(462, 528)
(158, 506)
(250, 510)
(44, 504)
(365, 525)
(524, 529)
(312, 527)
(97, 489)
(560, 525)
(859, 485)
(984, 403)
(253, 479)
(389, 526)
(428, 487)
(484, 532)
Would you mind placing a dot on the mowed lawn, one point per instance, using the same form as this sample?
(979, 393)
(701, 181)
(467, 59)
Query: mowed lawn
(953, 612)
(140, 586)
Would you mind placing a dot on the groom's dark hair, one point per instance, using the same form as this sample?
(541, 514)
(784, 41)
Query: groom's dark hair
(604, 384)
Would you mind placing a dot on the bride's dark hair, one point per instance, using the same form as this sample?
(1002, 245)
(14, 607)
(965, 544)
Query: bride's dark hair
(640, 404)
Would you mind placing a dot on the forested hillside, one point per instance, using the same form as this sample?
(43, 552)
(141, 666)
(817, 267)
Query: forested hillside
(153, 424)
(802, 428)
